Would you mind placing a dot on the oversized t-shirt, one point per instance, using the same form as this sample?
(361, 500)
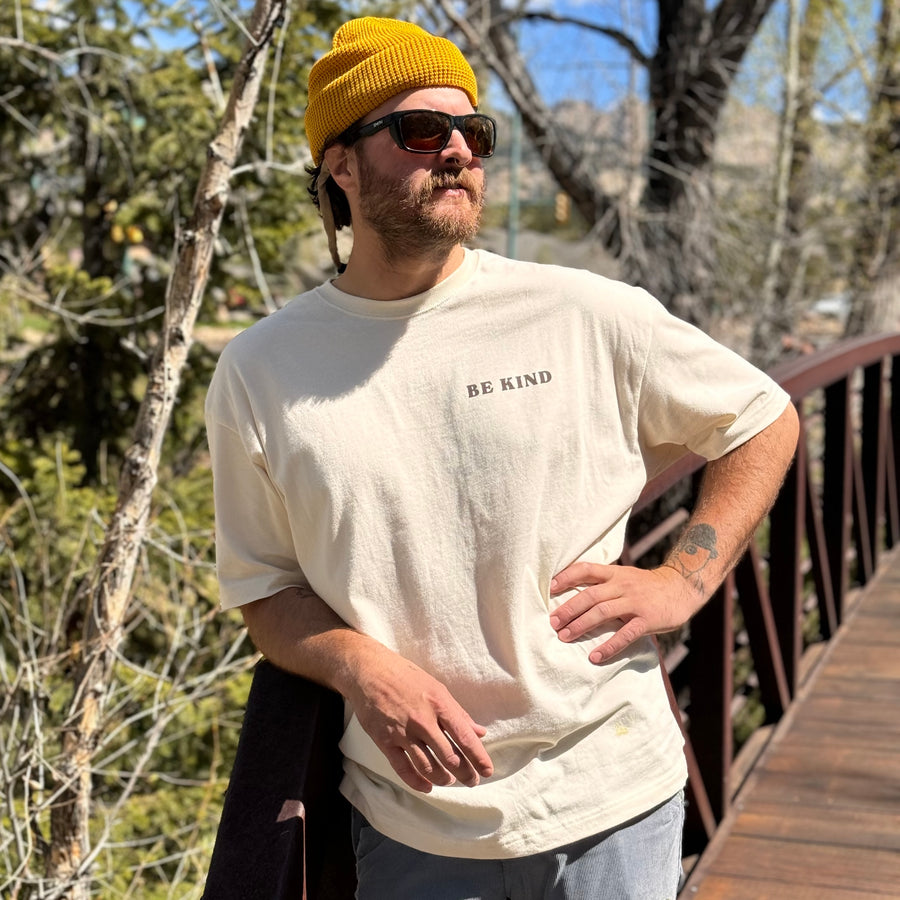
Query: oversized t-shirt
(426, 465)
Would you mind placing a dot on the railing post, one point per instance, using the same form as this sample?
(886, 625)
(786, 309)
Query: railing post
(285, 829)
(893, 455)
(762, 633)
(818, 549)
(873, 452)
(711, 692)
(837, 467)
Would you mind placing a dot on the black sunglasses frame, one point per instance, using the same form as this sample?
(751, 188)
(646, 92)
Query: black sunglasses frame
(393, 120)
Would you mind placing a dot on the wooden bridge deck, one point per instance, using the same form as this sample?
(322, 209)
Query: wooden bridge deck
(818, 818)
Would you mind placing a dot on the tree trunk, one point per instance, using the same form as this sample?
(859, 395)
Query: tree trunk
(876, 288)
(786, 260)
(669, 248)
(697, 55)
(104, 597)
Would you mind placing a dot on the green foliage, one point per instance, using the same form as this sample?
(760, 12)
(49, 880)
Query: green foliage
(79, 382)
(174, 701)
(114, 107)
(50, 529)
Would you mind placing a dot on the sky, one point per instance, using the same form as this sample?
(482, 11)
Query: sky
(568, 62)
(572, 63)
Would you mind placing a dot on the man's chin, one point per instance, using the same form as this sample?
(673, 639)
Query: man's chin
(454, 213)
(455, 229)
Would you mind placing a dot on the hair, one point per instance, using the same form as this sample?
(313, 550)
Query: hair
(340, 207)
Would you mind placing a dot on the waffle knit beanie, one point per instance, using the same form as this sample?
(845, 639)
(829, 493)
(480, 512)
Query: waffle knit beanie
(372, 60)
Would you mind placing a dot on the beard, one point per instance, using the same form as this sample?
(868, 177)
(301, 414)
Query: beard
(410, 220)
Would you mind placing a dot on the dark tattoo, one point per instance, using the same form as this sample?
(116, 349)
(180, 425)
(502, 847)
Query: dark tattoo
(695, 548)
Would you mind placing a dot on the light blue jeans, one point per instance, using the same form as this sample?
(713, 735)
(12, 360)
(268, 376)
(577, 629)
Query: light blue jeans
(641, 860)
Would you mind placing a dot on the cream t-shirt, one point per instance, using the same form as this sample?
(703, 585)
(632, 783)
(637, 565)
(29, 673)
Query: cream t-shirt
(427, 465)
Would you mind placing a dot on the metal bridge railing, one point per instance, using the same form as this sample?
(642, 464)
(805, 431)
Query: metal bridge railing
(836, 513)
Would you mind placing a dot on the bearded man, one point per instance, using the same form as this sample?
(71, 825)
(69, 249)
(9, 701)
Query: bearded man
(423, 470)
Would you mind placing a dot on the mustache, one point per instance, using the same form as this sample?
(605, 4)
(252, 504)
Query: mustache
(450, 179)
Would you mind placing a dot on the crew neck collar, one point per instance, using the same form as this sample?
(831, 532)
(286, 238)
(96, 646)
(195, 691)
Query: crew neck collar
(406, 306)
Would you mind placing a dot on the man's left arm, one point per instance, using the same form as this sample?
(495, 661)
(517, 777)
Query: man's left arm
(736, 493)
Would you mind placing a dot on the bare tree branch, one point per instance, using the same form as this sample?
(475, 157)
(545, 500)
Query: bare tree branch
(106, 594)
(614, 34)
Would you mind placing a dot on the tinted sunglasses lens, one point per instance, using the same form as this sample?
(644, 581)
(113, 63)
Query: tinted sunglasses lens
(479, 132)
(424, 132)
(429, 132)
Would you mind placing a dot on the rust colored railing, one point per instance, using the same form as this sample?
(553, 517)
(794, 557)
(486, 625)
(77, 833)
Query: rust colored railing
(837, 511)
(284, 827)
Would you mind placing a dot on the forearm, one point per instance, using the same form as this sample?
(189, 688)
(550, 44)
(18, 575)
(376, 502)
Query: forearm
(297, 631)
(736, 493)
(427, 737)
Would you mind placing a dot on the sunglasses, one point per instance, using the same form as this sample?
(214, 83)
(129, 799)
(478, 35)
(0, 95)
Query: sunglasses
(429, 131)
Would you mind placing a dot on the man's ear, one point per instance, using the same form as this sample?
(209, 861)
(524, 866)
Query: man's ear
(341, 161)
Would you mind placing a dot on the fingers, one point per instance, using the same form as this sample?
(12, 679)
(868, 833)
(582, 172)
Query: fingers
(576, 621)
(589, 608)
(623, 638)
(579, 574)
(427, 737)
(438, 761)
(628, 601)
(450, 750)
(608, 601)
(403, 766)
(465, 738)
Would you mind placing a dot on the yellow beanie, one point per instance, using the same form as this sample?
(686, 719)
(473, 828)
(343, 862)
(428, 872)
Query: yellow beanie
(372, 60)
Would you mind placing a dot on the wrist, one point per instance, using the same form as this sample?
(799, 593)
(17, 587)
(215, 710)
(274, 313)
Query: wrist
(355, 659)
(688, 589)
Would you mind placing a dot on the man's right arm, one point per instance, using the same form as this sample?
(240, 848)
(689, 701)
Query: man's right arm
(427, 737)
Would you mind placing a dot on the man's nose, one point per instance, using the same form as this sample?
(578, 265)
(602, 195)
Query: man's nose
(457, 149)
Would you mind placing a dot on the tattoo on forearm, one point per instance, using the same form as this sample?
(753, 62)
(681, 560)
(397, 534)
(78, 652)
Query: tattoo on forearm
(695, 548)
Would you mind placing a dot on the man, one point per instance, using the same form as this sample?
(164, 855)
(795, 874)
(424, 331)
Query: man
(423, 472)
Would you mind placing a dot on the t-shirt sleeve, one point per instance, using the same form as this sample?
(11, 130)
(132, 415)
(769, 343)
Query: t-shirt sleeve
(255, 552)
(697, 395)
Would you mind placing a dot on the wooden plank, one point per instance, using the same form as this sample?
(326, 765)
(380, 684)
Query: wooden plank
(884, 598)
(812, 737)
(875, 630)
(842, 773)
(820, 823)
(837, 685)
(848, 662)
(855, 719)
(819, 747)
(826, 710)
(717, 887)
(840, 793)
(821, 866)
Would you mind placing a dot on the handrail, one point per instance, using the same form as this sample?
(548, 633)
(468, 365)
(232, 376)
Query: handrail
(838, 509)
